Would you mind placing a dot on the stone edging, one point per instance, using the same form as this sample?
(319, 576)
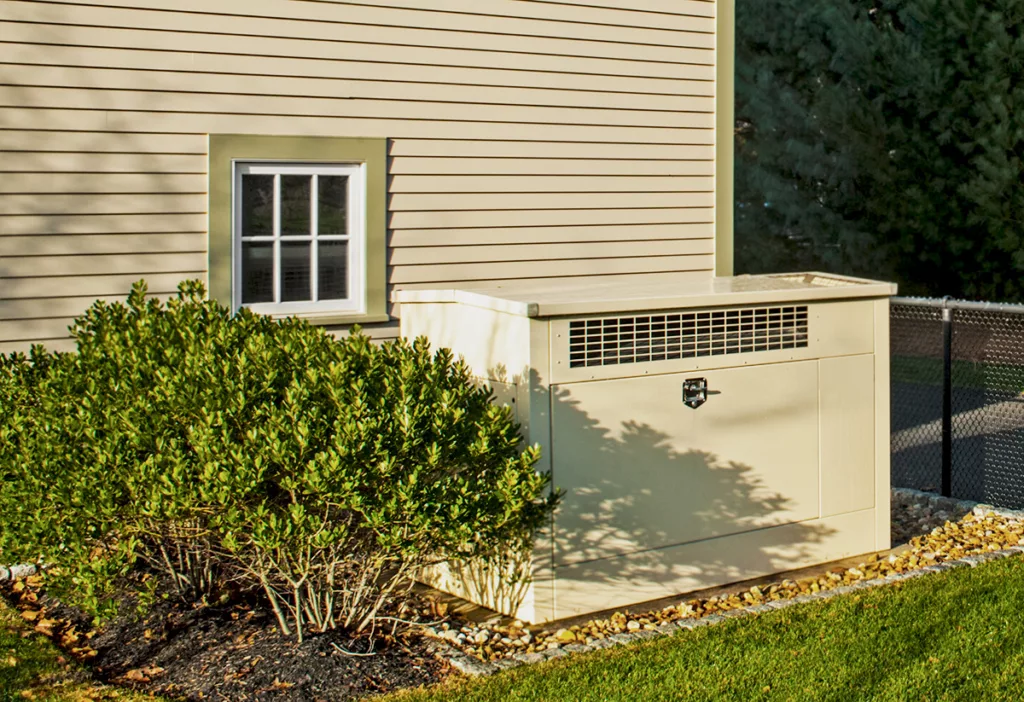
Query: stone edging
(940, 502)
(17, 571)
(474, 667)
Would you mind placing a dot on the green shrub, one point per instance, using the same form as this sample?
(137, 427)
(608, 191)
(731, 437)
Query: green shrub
(235, 449)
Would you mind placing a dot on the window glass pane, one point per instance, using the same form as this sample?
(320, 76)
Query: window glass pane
(257, 205)
(333, 204)
(296, 204)
(332, 269)
(257, 272)
(295, 277)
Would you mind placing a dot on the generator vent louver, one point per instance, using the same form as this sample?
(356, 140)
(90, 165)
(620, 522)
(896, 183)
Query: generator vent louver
(665, 337)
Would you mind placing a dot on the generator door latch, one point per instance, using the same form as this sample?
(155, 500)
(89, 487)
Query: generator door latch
(695, 392)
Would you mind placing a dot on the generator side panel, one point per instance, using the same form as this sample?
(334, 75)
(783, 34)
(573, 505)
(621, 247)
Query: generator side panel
(643, 470)
(883, 475)
(649, 575)
(495, 345)
(497, 348)
(847, 426)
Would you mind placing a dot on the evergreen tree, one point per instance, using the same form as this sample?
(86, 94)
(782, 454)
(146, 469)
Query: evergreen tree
(881, 138)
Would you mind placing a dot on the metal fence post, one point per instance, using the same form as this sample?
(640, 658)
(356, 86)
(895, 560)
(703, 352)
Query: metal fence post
(947, 398)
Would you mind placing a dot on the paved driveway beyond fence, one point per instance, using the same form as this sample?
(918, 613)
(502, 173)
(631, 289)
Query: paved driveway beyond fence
(985, 370)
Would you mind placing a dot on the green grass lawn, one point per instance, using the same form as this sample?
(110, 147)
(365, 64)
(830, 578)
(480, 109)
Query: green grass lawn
(31, 668)
(966, 374)
(957, 635)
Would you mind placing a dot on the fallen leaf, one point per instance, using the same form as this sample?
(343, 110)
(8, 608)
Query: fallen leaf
(11, 661)
(30, 615)
(45, 626)
(153, 670)
(136, 675)
(84, 652)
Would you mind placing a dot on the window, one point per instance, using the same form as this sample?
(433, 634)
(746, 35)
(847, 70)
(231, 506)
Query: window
(299, 234)
(298, 226)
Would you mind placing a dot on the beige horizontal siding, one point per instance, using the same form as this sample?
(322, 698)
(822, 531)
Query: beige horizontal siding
(106, 183)
(658, 9)
(457, 272)
(528, 218)
(211, 74)
(438, 184)
(135, 203)
(402, 165)
(62, 223)
(676, 15)
(437, 202)
(439, 255)
(90, 286)
(391, 26)
(66, 245)
(394, 108)
(528, 138)
(88, 162)
(129, 121)
(32, 330)
(63, 307)
(286, 49)
(99, 264)
(525, 150)
(313, 75)
(672, 277)
(37, 139)
(578, 235)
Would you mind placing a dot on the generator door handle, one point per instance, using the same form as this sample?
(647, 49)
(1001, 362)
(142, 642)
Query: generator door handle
(695, 392)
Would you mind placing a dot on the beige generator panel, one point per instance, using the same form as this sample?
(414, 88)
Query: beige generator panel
(704, 433)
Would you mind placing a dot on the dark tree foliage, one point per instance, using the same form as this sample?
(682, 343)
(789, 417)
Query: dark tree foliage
(882, 138)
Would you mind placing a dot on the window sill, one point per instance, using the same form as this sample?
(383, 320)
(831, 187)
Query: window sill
(323, 319)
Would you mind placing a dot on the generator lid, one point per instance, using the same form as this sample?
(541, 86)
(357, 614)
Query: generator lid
(556, 298)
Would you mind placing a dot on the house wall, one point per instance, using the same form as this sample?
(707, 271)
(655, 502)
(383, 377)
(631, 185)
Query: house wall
(527, 138)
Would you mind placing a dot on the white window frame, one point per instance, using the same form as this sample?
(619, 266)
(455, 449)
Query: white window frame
(356, 236)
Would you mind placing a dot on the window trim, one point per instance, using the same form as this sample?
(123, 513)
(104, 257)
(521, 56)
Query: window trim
(226, 149)
(356, 237)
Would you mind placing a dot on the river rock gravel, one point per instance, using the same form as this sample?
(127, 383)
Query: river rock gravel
(926, 530)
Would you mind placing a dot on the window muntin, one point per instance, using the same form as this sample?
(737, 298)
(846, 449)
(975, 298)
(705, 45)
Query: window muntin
(299, 235)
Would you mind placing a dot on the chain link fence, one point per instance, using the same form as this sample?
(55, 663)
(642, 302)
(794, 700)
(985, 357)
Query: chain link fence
(958, 412)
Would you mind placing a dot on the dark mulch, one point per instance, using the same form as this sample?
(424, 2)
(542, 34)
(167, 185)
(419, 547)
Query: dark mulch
(235, 652)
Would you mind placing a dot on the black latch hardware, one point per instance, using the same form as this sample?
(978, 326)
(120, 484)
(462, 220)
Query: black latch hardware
(695, 392)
